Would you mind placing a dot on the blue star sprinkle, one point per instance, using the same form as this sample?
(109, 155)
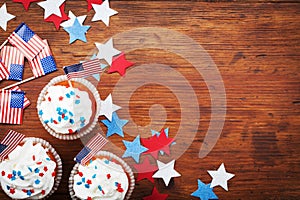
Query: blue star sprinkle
(115, 126)
(77, 31)
(204, 192)
(134, 149)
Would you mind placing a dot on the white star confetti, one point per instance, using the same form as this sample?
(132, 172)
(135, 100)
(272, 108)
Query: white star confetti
(51, 7)
(103, 12)
(220, 177)
(71, 21)
(107, 107)
(107, 51)
(166, 171)
(5, 16)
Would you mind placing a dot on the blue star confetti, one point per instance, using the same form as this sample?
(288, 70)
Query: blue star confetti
(204, 192)
(134, 149)
(77, 31)
(115, 126)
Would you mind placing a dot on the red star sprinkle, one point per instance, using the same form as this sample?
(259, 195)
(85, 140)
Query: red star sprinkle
(53, 174)
(157, 143)
(89, 182)
(56, 19)
(119, 64)
(41, 174)
(3, 173)
(43, 192)
(156, 195)
(80, 174)
(45, 169)
(108, 176)
(90, 2)
(145, 170)
(12, 190)
(89, 198)
(25, 3)
(9, 176)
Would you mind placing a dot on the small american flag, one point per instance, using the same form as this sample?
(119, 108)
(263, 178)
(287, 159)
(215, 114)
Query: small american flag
(43, 63)
(90, 149)
(11, 106)
(29, 43)
(9, 143)
(13, 60)
(26, 100)
(4, 73)
(83, 69)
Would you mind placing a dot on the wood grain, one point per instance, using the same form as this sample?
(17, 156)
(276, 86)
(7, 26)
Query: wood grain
(254, 44)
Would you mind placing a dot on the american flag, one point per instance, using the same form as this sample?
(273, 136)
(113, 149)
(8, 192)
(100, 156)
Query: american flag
(83, 69)
(11, 106)
(13, 60)
(29, 43)
(4, 73)
(90, 149)
(9, 143)
(26, 100)
(43, 63)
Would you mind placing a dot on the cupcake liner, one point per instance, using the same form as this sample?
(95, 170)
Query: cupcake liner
(85, 130)
(125, 166)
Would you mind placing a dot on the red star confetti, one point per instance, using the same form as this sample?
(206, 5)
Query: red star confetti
(157, 143)
(120, 64)
(26, 3)
(56, 19)
(90, 2)
(156, 195)
(145, 170)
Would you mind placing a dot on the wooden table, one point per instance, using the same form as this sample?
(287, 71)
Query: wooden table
(255, 48)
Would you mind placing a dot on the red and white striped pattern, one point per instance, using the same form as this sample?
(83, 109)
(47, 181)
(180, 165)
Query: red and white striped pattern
(7, 114)
(4, 73)
(31, 48)
(36, 65)
(95, 144)
(26, 100)
(11, 55)
(90, 67)
(11, 140)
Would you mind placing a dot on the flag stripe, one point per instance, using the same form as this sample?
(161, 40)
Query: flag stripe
(3, 72)
(10, 114)
(89, 68)
(11, 140)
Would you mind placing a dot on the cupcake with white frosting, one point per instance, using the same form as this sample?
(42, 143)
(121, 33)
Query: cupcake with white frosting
(68, 109)
(106, 176)
(32, 170)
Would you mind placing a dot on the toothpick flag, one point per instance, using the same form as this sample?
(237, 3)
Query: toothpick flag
(43, 63)
(13, 60)
(4, 73)
(90, 149)
(11, 106)
(83, 69)
(9, 143)
(29, 43)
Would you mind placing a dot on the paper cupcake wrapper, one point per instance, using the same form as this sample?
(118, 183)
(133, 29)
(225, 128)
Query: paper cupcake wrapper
(86, 130)
(126, 167)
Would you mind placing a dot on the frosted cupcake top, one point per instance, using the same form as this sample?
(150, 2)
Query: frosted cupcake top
(100, 179)
(65, 109)
(28, 173)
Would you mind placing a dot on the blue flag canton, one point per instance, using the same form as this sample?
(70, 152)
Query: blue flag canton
(16, 72)
(83, 153)
(73, 68)
(2, 147)
(48, 64)
(24, 32)
(17, 99)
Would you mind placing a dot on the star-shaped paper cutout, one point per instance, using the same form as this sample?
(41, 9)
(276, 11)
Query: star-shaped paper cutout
(220, 177)
(25, 3)
(56, 19)
(134, 149)
(103, 12)
(71, 20)
(204, 192)
(166, 130)
(166, 171)
(107, 51)
(145, 170)
(156, 195)
(77, 31)
(157, 143)
(90, 2)
(51, 7)
(107, 107)
(119, 64)
(115, 125)
(5, 16)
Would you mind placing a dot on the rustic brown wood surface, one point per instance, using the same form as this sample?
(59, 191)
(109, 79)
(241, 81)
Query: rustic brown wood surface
(255, 46)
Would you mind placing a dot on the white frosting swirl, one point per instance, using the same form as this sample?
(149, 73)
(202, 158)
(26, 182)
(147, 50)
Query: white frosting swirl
(100, 179)
(65, 109)
(28, 173)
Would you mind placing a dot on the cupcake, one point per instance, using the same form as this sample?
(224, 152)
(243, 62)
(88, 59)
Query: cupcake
(32, 170)
(68, 109)
(106, 176)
